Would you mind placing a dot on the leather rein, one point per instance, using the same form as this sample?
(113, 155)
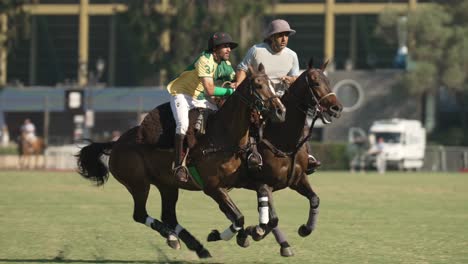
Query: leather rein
(313, 109)
(258, 104)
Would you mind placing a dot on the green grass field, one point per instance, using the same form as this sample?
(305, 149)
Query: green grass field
(58, 217)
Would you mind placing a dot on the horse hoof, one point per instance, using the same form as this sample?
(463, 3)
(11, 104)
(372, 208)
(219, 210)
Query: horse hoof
(203, 253)
(173, 242)
(242, 239)
(304, 231)
(261, 230)
(258, 233)
(214, 236)
(255, 232)
(286, 252)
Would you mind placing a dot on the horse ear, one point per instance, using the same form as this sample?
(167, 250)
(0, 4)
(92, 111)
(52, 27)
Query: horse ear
(261, 68)
(311, 63)
(324, 66)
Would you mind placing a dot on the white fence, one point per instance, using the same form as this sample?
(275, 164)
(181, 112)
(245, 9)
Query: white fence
(438, 158)
(61, 158)
(55, 158)
(443, 158)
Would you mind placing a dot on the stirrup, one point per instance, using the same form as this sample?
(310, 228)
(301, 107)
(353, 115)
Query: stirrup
(254, 161)
(312, 164)
(181, 173)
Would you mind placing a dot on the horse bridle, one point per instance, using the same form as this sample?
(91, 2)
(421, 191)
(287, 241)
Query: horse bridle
(318, 106)
(317, 109)
(259, 103)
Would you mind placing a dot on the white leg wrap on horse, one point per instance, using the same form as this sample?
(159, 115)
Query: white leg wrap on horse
(178, 229)
(263, 210)
(149, 221)
(229, 233)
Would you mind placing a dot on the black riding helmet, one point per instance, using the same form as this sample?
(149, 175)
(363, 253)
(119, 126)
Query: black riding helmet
(219, 38)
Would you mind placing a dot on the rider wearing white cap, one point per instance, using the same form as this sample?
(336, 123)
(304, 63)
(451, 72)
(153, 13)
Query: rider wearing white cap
(281, 66)
(281, 63)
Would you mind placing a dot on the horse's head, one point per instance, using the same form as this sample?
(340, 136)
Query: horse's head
(267, 102)
(323, 98)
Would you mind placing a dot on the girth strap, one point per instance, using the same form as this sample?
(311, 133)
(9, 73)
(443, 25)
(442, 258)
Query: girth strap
(239, 150)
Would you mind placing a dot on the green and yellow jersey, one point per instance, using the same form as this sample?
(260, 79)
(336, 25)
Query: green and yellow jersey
(204, 66)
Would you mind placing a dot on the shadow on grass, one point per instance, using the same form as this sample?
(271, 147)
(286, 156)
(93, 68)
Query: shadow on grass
(54, 260)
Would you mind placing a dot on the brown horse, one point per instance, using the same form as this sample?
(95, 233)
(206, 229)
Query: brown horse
(30, 151)
(285, 155)
(216, 159)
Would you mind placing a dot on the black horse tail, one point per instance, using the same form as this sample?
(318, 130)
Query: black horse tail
(90, 164)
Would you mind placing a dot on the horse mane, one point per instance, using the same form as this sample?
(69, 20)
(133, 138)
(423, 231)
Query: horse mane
(290, 92)
(218, 120)
(295, 115)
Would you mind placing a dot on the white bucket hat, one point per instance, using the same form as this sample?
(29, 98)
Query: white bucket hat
(278, 26)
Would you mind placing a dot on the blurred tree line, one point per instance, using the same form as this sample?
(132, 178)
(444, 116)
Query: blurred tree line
(17, 22)
(438, 56)
(166, 41)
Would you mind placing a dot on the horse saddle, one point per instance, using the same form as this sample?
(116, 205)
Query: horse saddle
(158, 126)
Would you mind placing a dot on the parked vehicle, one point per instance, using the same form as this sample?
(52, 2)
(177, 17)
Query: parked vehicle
(404, 142)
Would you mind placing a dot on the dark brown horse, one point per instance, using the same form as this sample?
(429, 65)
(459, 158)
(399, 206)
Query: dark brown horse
(216, 159)
(285, 155)
(30, 151)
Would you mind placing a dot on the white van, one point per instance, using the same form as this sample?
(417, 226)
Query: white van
(404, 142)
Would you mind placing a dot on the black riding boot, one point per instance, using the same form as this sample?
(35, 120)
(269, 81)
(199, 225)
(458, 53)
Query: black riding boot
(180, 171)
(312, 162)
(254, 159)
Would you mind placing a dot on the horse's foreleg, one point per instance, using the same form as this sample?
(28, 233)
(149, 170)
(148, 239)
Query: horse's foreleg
(169, 197)
(231, 211)
(140, 215)
(303, 187)
(266, 214)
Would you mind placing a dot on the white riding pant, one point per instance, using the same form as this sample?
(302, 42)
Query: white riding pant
(381, 163)
(181, 104)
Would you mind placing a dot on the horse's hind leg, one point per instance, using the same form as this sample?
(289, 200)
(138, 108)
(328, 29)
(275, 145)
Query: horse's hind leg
(303, 187)
(169, 197)
(285, 248)
(140, 215)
